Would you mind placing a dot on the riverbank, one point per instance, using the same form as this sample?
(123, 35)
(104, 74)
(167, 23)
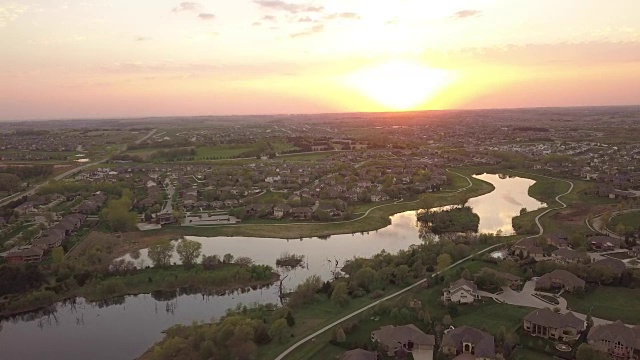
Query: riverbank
(225, 278)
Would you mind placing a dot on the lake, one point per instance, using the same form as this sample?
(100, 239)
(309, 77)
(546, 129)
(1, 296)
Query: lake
(126, 329)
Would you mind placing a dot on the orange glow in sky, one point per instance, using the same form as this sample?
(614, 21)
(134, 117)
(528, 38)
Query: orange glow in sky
(122, 58)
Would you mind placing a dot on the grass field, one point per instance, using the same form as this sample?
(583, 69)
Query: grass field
(307, 157)
(522, 353)
(630, 220)
(223, 151)
(610, 303)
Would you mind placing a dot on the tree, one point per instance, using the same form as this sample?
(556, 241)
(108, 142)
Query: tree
(227, 259)
(340, 335)
(444, 261)
(117, 214)
(291, 321)
(160, 254)
(340, 294)
(211, 262)
(189, 252)
(278, 330)
(466, 275)
(57, 255)
(364, 278)
(402, 273)
(9, 182)
(446, 320)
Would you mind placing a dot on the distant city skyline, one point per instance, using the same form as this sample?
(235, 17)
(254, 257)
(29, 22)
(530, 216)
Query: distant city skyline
(123, 59)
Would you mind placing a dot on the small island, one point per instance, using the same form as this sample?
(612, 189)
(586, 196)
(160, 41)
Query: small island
(460, 219)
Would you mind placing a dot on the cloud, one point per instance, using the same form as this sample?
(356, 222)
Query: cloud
(305, 19)
(142, 38)
(313, 30)
(269, 18)
(288, 7)
(206, 16)
(188, 6)
(256, 23)
(9, 13)
(344, 15)
(462, 14)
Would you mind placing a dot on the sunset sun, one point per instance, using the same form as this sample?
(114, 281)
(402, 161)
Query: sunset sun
(400, 85)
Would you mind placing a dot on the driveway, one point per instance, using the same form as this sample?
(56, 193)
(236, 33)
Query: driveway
(526, 298)
(422, 355)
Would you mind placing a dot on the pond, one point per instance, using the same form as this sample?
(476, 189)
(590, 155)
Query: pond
(129, 326)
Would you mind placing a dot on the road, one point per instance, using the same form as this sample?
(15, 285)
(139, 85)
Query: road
(148, 136)
(64, 175)
(337, 322)
(599, 225)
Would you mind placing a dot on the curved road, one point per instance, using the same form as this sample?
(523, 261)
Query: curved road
(337, 322)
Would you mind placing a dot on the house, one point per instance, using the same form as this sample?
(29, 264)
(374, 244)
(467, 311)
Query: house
(302, 213)
(280, 211)
(379, 196)
(165, 218)
(476, 344)
(547, 323)
(617, 266)
(560, 279)
(408, 338)
(50, 239)
(616, 339)
(528, 247)
(359, 354)
(461, 291)
(511, 280)
(560, 241)
(568, 256)
(603, 243)
(24, 254)
(87, 207)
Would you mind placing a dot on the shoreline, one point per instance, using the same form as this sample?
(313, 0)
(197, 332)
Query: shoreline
(87, 293)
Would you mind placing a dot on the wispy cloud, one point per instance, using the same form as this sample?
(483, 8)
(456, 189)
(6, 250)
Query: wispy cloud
(206, 16)
(462, 14)
(288, 7)
(188, 6)
(344, 15)
(312, 30)
(142, 38)
(9, 13)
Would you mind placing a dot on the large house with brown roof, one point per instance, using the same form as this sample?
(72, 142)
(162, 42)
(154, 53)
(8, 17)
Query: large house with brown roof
(560, 279)
(547, 323)
(616, 339)
(461, 291)
(528, 247)
(603, 243)
(359, 354)
(405, 338)
(476, 344)
(24, 254)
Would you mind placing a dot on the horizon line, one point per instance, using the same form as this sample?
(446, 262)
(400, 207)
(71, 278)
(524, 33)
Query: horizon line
(115, 118)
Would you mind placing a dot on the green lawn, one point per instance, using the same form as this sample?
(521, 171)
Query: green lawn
(223, 151)
(630, 220)
(307, 157)
(610, 303)
(490, 316)
(528, 354)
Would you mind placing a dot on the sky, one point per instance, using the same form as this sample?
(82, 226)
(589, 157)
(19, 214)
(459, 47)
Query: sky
(123, 58)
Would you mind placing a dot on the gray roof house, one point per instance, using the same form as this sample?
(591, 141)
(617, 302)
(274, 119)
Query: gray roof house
(547, 323)
(477, 344)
